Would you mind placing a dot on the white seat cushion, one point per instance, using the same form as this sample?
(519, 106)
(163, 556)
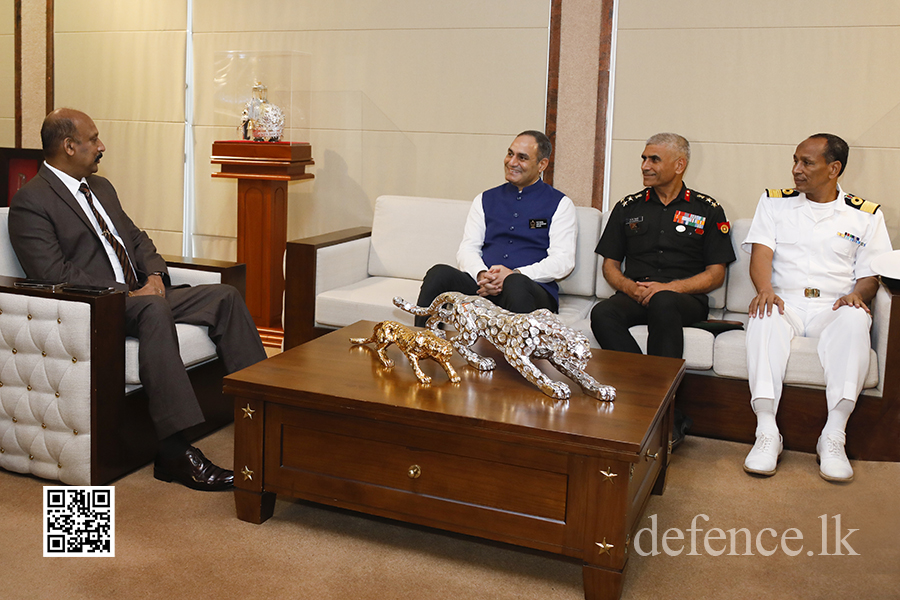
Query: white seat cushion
(367, 299)
(698, 346)
(803, 368)
(574, 309)
(193, 342)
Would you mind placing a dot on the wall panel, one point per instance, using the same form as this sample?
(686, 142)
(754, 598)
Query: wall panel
(141, 162)
(312, 15)
(115, 15)
(7, 77)
(745, 83)
(405, 97)
(123, 63)
(127, 76)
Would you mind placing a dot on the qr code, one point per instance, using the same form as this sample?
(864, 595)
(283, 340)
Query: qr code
(79, 521)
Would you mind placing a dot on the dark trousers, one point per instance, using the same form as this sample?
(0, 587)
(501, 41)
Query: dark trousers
(152, 319)
(520, 294)
(665, 315)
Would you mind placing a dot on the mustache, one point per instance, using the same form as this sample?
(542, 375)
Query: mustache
(99, 156)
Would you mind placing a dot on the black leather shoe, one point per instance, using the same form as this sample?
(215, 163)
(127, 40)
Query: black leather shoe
(193, 470)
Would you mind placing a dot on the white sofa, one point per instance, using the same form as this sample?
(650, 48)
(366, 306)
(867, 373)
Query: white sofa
(72, 407)
(357, 272)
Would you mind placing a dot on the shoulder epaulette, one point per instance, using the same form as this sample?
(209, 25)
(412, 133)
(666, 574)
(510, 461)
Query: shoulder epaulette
(641, 195)
(708, 199)
(860, 204)
(781, 193)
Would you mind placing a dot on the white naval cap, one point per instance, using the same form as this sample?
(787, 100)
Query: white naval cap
(887, 264)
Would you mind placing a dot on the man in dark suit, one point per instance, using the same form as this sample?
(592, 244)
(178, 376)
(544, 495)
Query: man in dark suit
(67, 225)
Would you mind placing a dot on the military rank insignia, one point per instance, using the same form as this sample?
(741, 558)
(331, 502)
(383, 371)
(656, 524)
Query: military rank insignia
(724, 227)
(863, 205)
(781, 193)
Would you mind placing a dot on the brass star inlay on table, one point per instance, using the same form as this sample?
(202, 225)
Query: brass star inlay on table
(248, 412)
(248, 474)
(604, 547)
(608, 474)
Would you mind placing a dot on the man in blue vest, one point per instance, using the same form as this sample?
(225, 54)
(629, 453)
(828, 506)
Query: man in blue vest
(519, 238)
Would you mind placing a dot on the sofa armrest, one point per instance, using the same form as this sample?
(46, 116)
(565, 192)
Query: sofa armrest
(881, 326)
(881, 442)
(198, 271)
(302, 271)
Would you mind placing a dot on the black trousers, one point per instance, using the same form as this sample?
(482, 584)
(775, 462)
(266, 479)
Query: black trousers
(152, 319)
(520, 294)
(665, 315)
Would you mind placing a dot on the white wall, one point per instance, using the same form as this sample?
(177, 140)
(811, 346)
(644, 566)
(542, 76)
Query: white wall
(7, 74)
(123, 64)
(746, 82)
(405, 96)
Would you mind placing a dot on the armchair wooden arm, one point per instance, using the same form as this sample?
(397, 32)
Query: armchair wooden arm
(231, 273)
(300, 283)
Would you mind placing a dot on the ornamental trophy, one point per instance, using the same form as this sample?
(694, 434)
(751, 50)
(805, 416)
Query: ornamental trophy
(261, 121)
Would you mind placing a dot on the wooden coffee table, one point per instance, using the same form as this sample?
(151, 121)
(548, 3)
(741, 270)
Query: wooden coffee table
(490, 456)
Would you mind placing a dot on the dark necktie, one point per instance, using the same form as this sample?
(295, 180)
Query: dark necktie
(118, 248)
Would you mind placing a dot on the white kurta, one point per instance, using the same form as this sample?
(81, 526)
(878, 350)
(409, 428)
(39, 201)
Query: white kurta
(828, 248)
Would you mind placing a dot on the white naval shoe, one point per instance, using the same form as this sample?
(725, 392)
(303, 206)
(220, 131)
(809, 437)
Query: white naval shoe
(833, 463)
(763, 458)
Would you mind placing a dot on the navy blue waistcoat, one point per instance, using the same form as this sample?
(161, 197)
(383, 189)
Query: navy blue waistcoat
(517, 226)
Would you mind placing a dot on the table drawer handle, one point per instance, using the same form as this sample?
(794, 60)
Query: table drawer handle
(414, 472)
(648, 456)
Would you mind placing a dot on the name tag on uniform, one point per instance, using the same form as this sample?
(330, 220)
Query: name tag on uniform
(537, 223)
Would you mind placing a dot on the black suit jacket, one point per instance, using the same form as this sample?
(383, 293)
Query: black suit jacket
(54, 239)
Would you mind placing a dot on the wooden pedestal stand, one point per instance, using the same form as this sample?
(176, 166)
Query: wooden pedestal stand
(263, 170)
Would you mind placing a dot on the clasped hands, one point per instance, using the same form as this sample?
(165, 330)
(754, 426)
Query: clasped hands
(761, 305)
(490, 282)
(153, 287)
(644, 290)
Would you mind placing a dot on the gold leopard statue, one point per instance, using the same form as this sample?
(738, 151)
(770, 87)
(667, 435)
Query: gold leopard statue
(520, 337)
(415, 344)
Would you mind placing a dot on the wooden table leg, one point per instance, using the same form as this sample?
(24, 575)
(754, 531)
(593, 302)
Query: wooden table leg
(253, 507)
(666, 451)
(251, 501)
(602, 584)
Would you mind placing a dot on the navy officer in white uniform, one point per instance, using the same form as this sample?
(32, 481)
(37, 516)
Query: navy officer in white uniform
(811, 250)
(518, 240)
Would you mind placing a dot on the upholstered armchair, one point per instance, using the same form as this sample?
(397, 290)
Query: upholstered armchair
(71, 405)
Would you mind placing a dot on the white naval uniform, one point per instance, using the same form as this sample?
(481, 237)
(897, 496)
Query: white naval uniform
(826, 247)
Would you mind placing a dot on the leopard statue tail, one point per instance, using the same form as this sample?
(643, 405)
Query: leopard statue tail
(417, 310)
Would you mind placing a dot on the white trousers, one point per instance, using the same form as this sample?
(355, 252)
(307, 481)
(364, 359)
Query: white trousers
(843, 347)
